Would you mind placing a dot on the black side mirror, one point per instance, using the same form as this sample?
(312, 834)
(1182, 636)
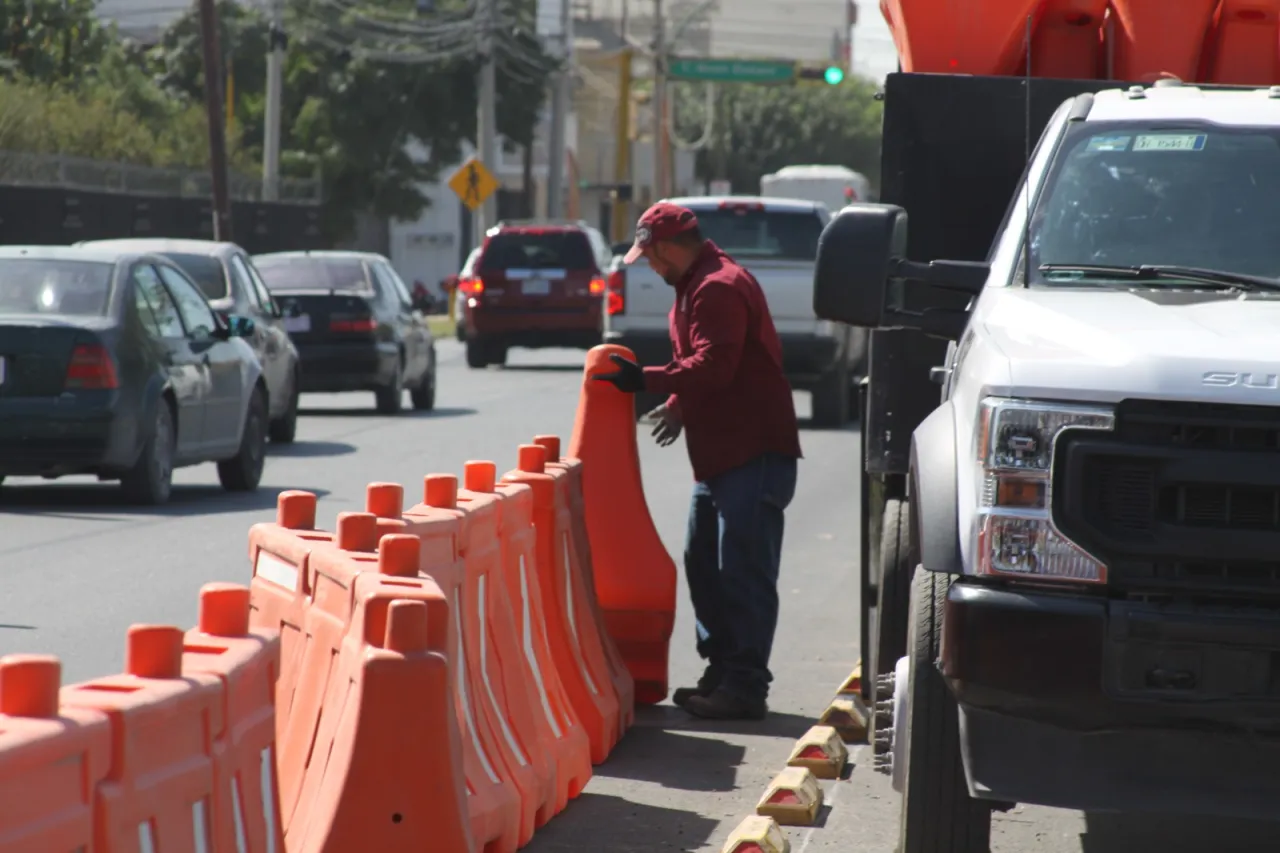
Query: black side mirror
(856, 255)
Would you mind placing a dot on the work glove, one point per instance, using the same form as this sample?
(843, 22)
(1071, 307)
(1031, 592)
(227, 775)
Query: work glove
(668, 426)
(629, 377)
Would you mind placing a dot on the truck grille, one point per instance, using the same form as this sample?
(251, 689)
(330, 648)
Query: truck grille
(1181, 497)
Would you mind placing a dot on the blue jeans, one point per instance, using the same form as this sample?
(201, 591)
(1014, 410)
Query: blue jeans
(732, 552)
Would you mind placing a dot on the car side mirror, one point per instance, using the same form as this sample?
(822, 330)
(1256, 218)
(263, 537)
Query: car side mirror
(240, 327)
(856, 255)
(862, 274)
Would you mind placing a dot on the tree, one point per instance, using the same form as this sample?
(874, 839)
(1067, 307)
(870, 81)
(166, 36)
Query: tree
(53, 40)
(759, 129)
(350, 111)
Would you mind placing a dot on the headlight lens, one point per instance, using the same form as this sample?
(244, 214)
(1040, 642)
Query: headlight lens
(1015, 530)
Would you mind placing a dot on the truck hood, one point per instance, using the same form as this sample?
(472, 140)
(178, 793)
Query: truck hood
(1108, 344)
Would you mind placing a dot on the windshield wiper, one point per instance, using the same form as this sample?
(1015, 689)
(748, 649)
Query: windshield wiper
(1168, 272)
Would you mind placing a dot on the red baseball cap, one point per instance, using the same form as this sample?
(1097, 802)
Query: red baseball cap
(662, 221)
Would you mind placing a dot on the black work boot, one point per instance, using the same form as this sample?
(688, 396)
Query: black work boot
(709, 681)
(720, 704)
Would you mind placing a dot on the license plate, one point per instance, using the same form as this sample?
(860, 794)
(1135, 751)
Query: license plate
(535, 287)
(301, 323)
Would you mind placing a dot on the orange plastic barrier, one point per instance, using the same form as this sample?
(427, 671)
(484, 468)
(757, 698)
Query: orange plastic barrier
(159, 791)
(1067, 41)
(51, 760)
(1244, 45)
(635, 577)
(578, 656)
(307, 582)
(1150, 37)
(493, 801)
(970, 37)
(623, 684)
(246, 801)
(386, 768)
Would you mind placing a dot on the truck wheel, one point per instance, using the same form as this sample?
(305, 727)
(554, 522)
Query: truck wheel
(938, 815)
(893, 602)
(831, 399)
(498, 353)
(477, 354)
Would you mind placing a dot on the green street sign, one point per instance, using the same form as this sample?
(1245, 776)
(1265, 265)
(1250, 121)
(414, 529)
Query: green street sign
(732, 70)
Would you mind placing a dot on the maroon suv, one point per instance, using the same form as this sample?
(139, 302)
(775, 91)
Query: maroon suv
(534, 285)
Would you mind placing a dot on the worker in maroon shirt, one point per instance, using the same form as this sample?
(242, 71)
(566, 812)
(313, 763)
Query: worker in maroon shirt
(730, 397)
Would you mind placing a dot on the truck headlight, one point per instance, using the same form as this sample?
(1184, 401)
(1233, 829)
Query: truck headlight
(1014, 527)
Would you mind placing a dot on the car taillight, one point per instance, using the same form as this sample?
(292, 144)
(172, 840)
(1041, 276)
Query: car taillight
(91, 367)
(616, 300)
(742, 206)
(597, 286)
(361, 324)
(471, 285)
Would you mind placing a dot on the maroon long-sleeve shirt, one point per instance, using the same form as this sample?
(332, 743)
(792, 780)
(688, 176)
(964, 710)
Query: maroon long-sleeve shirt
(726, 376)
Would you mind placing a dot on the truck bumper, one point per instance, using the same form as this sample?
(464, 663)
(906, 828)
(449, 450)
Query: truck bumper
(1088, 703)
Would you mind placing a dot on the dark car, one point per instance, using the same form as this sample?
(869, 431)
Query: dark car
(231, 283)
(112, 363)
(355, 324)
(533, 285)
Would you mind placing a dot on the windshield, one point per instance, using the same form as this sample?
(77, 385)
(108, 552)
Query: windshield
(744, 232)
(286, 274)
(204, 270)
(43, 286)
(537, 250)
(1127, 194)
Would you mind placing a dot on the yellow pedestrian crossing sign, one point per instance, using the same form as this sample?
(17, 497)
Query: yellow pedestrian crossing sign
(473, 183)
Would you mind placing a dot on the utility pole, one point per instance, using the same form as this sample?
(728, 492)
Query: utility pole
(274, 107)
(486, 117)
(213, 108)
(622, 158)
(560, 95)
(659, 102)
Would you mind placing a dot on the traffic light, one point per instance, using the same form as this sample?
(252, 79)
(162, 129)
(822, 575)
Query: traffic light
(832, 75)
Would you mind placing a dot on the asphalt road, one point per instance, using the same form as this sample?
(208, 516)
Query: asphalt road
(76, 568)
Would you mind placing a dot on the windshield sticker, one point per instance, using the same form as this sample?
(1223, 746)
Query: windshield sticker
(1171, 142)
(1109, 143)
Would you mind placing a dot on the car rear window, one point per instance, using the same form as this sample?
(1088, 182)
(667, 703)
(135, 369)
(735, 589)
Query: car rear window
(42, 286)
(204, 270)
(537, 250)
(340, 274)
(763, 234)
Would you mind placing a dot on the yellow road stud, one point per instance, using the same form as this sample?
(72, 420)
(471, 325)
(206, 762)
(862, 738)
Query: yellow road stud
(847, 715)
(821, 751)
(792, 798)
(852, 685)
(757, 834)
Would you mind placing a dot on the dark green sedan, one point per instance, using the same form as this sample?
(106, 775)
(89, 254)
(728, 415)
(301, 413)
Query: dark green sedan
(113, 364)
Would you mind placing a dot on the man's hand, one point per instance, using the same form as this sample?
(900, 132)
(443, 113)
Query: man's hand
(668, 426)
(629, 377)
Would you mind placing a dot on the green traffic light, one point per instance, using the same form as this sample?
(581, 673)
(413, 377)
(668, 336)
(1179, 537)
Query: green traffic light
(833, 75)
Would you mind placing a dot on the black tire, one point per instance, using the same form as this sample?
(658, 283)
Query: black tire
(285, 428)
(938, 815)
(893, 602)
(389, 399)
(477, 354)
(150, 481)
(460, 331)
(243, 472)
(832, 399)
(498, 354)
(423, 395)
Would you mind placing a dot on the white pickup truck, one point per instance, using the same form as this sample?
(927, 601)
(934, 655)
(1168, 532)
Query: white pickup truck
(777, 241)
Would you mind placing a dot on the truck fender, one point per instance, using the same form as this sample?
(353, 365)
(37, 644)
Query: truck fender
(935, 519)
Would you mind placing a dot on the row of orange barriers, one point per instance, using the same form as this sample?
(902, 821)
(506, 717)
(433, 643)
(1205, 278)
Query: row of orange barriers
(1208, 41)
(439, 677)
